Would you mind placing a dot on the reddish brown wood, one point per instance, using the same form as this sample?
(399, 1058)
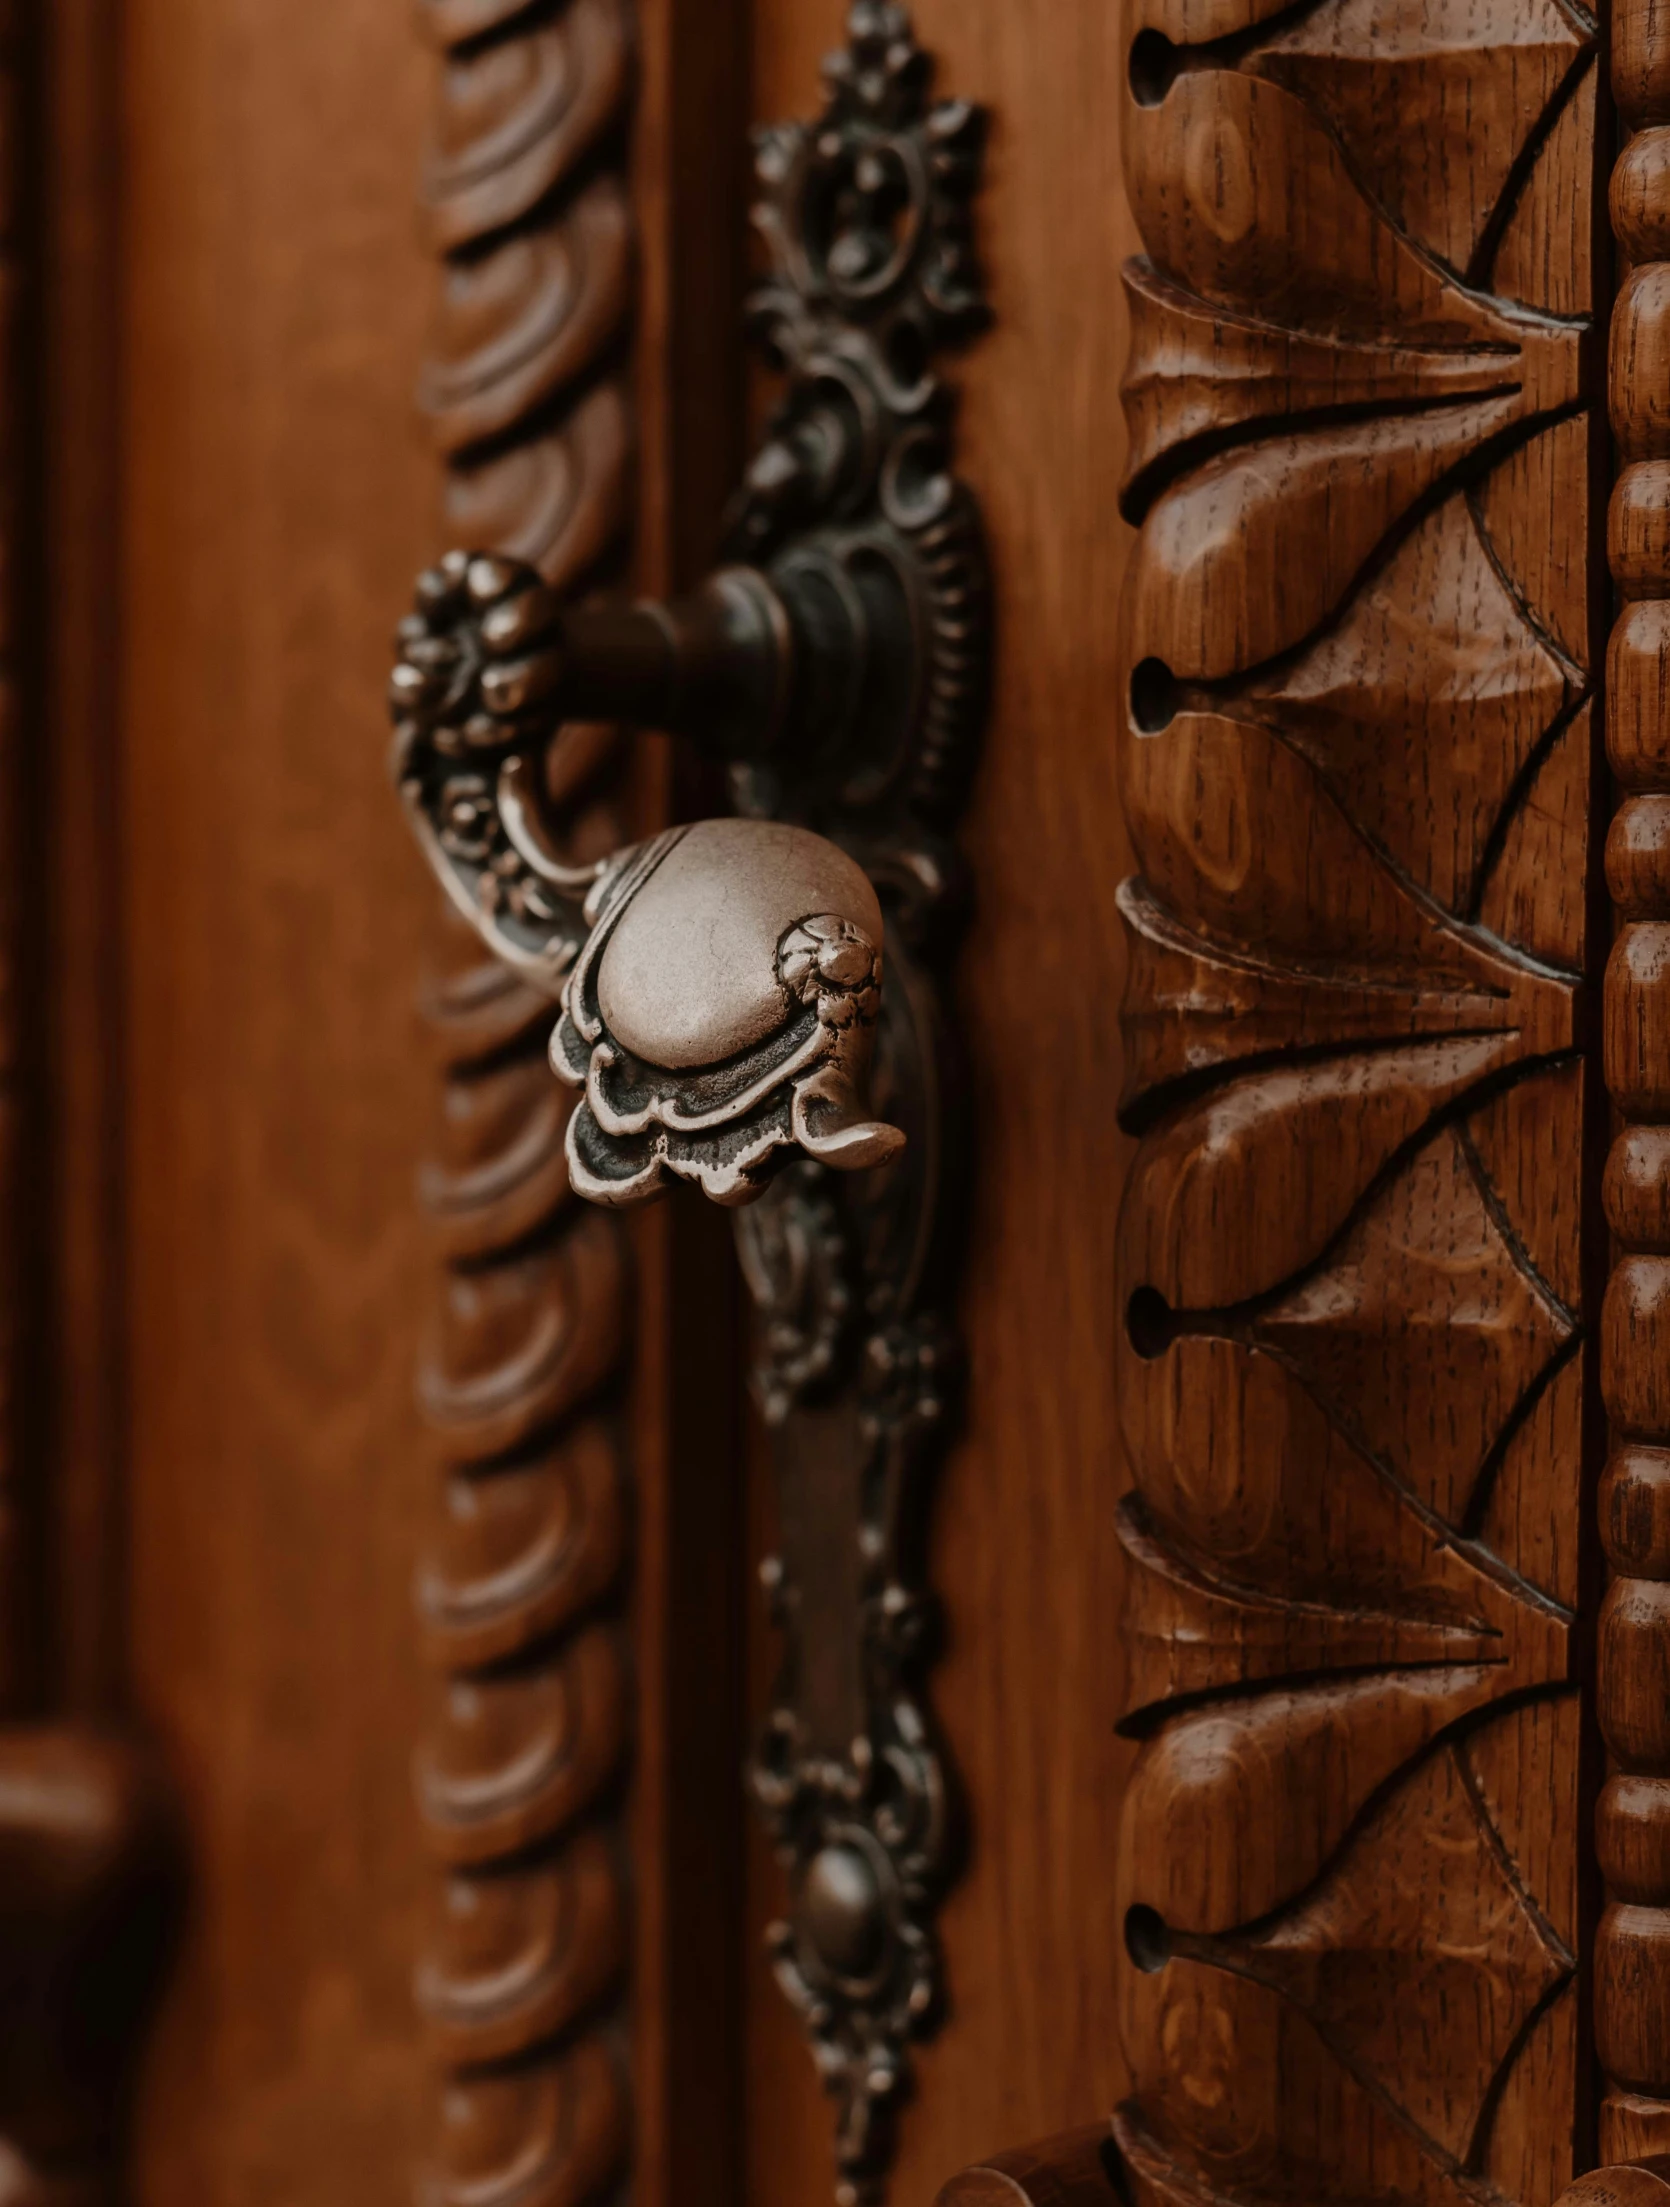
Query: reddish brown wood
(1632, 1949)
(526, 1969)
(1079, 2169)
(1357, 768)
(529, 399)
(275, 1092)
(1024, 1555)
(1356, 1376)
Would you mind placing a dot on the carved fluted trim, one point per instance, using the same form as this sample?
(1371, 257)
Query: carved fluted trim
(1632, 1946)
(520, 1585)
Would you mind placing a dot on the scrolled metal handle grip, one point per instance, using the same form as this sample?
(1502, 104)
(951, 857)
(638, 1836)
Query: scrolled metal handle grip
(721, 983)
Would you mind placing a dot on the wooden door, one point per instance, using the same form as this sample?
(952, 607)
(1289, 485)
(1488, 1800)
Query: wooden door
(1310, 1405)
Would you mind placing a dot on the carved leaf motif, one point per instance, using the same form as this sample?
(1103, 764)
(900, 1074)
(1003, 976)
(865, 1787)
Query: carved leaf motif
(1544, 256)
(1182, 1237)
(1189, 1632)
(1248, 556)
(1345, 1359)
(1295, 2125)
(1193, 1006)
(1234, 1808)
(1424, 1330)
(1276, 867)
(1423, 705)
(1243, 1477)
(1199, 371)
(1479, 80)
(1243, 196)
(1418, 1955)
(1517, 510)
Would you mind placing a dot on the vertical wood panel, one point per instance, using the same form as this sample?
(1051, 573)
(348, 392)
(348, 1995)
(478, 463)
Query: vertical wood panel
(1024, 1552)
(276, 500)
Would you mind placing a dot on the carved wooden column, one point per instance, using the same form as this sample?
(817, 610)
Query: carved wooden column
(1358, 769)
(1632, 1952)
(523, 1977)
(1356, 1251)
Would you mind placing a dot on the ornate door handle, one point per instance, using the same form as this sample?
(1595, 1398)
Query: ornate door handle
(721, 1017)
(721, 985)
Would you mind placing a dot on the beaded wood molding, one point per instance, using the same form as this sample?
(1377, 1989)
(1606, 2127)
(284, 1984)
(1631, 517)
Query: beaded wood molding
(1632, 1948)
(523, 1974)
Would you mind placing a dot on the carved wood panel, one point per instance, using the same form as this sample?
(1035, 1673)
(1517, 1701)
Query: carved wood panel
(523, 1977)
(1358, 762)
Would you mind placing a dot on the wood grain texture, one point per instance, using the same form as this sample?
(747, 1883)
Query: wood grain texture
(277, 1089)
(520, 1768)
(1024, 1556)
(88, 1849)
(1632, 1657)
(1357, 768)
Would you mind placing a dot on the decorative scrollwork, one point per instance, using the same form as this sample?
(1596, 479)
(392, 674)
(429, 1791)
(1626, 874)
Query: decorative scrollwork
(867, 216)
(722, 999)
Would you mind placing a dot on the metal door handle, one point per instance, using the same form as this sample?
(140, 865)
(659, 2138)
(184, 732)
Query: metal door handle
(837, 660)
(720, 983)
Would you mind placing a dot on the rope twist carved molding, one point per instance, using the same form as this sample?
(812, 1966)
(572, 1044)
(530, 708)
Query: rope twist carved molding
(523, 1973)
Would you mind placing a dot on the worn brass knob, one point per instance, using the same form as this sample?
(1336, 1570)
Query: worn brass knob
(720, 983)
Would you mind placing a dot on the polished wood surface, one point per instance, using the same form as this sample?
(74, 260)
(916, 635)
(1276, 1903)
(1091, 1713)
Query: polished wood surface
(279, 1108)
(1359, 1238)
(1358, 606)
(1632, 1658)
(277, 1087)
(1353, 1376)
(1024, 1558)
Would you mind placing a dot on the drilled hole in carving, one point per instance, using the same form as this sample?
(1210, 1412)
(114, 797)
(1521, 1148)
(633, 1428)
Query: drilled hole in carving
(1154, 66)
(1150, 1323)
(1147, 1940)
(1155, 699)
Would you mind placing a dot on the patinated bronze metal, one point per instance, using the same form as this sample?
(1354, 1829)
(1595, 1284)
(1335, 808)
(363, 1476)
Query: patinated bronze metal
(722, 987)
